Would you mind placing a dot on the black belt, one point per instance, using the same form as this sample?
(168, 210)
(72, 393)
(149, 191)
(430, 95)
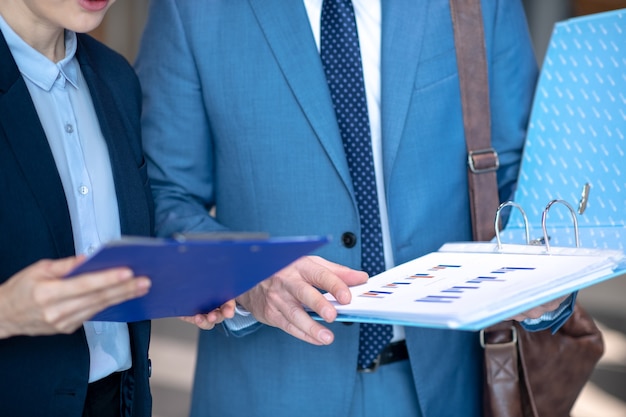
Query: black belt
(393, 352)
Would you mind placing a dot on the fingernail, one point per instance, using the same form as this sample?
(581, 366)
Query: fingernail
(326, 337)
(328, 314)
(343, 297)
(144, 284)
(126, 274)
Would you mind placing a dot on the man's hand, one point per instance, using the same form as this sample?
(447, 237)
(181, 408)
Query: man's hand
(535, 313)
(39, 301)
(278, 301)
(209, 320)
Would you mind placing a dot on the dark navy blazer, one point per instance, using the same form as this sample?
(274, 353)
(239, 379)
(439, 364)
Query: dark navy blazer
(47, 376)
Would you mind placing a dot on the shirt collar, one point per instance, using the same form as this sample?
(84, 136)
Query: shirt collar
(40, 70)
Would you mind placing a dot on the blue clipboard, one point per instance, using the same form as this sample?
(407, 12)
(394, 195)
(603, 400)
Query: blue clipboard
(194, 273)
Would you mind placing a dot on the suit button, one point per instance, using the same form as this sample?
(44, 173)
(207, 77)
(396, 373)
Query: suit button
(149, 368)
(348, 239)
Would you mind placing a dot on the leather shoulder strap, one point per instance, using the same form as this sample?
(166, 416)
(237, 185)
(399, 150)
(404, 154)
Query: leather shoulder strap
(482, 159)
(502, 395)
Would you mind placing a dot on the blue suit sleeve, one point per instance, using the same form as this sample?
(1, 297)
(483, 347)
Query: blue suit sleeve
(179, 151)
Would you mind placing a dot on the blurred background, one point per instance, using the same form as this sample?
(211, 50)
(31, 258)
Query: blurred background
(173, 347)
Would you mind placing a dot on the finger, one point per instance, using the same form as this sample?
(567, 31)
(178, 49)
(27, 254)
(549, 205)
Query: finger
(120, 292)
(188, 319)
(537, 312)
(349, 276)
(295, 320)
(278, 301)
(299, 324)
(269, 303)
(318, 276)
(534, 313)
(205, 321)
(62, 267)
(519, 317)
(311, 297)
(102, 284)
(69, 311)
(228, 309)
(197, 321)
(49, 269)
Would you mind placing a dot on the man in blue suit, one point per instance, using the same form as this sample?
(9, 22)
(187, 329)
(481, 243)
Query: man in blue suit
(239, 119)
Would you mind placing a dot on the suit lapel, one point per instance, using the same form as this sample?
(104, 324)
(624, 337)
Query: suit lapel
(133, 209)
(403, 23)
(286, 27)
(20, 123)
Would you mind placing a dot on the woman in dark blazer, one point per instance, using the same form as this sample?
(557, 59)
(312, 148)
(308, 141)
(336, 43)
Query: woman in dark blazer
(42, 215)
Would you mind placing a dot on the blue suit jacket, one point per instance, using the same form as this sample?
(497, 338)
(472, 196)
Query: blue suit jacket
(47, 376)
(238, 117)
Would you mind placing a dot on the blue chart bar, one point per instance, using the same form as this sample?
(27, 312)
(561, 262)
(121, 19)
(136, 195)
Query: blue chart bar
(396, 284)
(419, 276)
(479, 280)
(517, 268)
(376, 294)
(438, 299)
(440, 267)
(460, 289)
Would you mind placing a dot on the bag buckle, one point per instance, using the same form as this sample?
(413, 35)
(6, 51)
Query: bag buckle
(483, 160)
(513, 340)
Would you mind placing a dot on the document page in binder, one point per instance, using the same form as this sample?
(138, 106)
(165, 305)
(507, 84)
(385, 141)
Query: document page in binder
(470, 286)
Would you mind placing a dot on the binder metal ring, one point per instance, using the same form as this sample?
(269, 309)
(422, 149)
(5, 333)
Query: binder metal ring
(497, 221)
(544, 216)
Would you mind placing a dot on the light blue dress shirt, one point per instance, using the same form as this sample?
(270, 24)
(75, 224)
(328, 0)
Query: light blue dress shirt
(63, 102)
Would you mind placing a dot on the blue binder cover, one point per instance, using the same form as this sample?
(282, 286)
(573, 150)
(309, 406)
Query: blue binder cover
(194, 274)
(577, 136)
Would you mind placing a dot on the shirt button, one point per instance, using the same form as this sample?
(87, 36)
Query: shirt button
(348, 239)
(69, 128)
(83, 189)
(91, 249)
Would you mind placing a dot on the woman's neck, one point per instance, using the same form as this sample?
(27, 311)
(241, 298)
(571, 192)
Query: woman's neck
(42, 36)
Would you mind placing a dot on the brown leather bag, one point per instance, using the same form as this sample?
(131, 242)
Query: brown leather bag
(543, 373)
(527, 374)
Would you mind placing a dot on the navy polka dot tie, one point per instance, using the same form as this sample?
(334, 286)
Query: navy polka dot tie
(341, 58)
